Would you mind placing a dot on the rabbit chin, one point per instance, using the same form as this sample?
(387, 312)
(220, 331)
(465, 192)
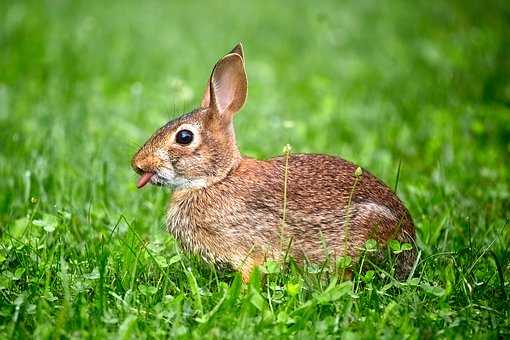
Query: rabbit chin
(168, 177)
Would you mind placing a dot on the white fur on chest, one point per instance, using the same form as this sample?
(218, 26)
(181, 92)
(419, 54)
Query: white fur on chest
(182, 224)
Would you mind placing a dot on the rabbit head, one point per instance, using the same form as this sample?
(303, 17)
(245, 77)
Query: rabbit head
(198, 148)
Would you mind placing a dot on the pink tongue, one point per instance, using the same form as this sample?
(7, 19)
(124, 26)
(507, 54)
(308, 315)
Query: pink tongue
(146, 177)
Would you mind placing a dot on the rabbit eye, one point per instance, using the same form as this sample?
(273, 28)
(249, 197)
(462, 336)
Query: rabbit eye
(184, 137)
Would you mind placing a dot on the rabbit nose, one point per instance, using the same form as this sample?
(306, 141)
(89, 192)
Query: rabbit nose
(137, 169)
(137, 166)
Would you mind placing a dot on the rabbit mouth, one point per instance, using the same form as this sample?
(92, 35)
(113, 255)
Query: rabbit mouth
(153, 178)
(167, 177)
(144, 179)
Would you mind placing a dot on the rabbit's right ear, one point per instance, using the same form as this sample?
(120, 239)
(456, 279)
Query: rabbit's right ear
(227, 87)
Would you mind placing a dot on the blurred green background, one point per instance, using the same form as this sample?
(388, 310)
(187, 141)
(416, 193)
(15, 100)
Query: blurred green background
(84, 83)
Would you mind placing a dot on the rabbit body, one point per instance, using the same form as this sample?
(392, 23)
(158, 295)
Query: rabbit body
(240, 211)
(239, 221)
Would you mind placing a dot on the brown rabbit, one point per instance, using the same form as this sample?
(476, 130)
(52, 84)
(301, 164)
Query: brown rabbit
(239, 211)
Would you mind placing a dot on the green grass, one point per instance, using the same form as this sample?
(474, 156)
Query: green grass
(83, 84)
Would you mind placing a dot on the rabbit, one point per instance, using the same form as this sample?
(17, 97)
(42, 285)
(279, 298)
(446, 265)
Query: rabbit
(237, 211)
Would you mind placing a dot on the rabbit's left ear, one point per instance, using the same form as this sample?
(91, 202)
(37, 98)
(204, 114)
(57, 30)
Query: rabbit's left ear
(228, 85)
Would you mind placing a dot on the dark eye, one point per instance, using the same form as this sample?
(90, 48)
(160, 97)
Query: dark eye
(184, 137)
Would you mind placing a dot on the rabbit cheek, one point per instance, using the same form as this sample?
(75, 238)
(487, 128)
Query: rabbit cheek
(189, 168)
(163, 156)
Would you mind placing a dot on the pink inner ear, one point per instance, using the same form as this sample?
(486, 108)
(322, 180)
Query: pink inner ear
(225, 89)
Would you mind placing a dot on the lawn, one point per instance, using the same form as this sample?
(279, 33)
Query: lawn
(416, 92)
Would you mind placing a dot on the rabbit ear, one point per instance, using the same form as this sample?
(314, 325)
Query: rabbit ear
(227, 88)
(206, 100)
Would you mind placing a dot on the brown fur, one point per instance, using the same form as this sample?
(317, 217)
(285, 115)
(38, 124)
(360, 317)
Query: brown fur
(229, 209)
